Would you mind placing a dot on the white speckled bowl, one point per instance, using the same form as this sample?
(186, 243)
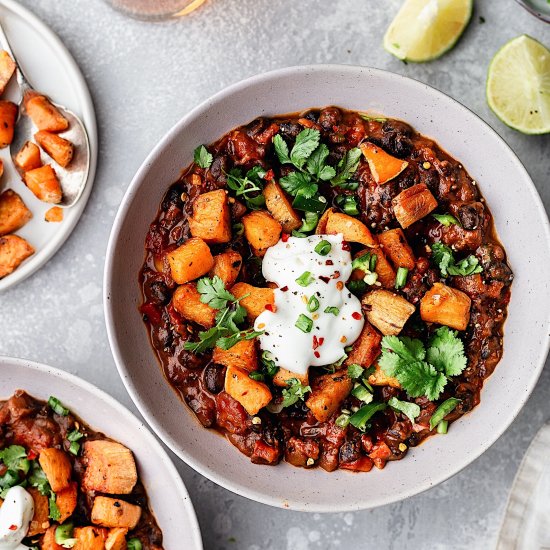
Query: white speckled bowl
(167, 495)
(521, 223)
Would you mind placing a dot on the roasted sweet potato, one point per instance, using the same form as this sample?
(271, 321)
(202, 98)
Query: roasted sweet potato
(57, 467)
(261, 231)
(8, 116)
(187, 302)
(446, 306)
(352, 229)
(251, 394)
(13, 212)
(413, 204)
(397, 248)
(379, 378)
(66, 500)
(111, 468)
(60, 149)
(54, 214)
(382, 165)
(280, 207)
(242, 355)
(7, 68)
(114, 512)
(227, 266)
(256, 298)
(40, 519)
(44, 184)
(89, 538)
(28, 157)
(387, 311)
(48, 541)
(366, 348)
(283, 376)
(190, 260)
(327, 393)
(13, 251)
(211, 220)
(384, 270)
(321, 228)
(116, 539)
(44, 114)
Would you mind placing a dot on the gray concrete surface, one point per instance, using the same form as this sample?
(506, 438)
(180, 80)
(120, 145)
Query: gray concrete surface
(143, 78)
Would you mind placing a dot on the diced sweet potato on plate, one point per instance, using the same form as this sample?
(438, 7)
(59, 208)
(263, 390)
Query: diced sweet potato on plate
(114, 512)
(13, 251)
(397, 248)
(256, 299)
(7, 68)
(54, 214)
(8, 116)
(227, 266)
(211, 220)
(280, 207)
(327, 394)
(383, 166)
(57, 467)
(187, 302)
(28, 157)
(44, 114)
(44, 184)
(242, 355)
(445, 305)
(251, 394)
(261, 231)
(352, 229)
(190, 260)
(413, 204)
(13, 212)
(60, 149)
(40, 519)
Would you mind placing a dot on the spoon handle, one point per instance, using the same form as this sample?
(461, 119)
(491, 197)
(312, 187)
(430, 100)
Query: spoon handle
(21, 78)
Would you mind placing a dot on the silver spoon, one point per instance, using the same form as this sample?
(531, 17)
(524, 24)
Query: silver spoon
(73, 178)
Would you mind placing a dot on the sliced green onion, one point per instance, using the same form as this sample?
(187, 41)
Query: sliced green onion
(305, 279)
(362, 393)
(348, 203)
(256, 375)
(238, 229)
(342, 421)
(443, 410)
(313, 304)
(134, 544)
(443, 427)
(357, 287)
(323, 248)
(314, 204)
(75, 435)
(332, 309)
(57, 407)
(74, 448)
(304, 323)
(401, 277)
(64, 535)
(372, 262)
(446, 219)
(364, 414)
(355, 371)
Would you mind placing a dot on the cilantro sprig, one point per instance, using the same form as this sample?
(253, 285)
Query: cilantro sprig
(294, 392)
(421, 370)
(248, 186)
(444, 258)
(202, 157)
(226, 332)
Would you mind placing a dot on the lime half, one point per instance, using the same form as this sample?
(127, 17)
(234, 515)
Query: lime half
(518, 85)
(426, 29)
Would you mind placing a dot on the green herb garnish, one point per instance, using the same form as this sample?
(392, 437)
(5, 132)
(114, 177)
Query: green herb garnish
(202, 157)
(74, 437)
(347, 167)
(249, 187)
(64, 535)
(134, 544)
(313, 304)
(15, 458)
(348, 203)
(55, 513)
(323, 248)
(442, 411)
(443, 257)
(332, 309)
(355, 371)
(364, 414)
(362, 393)
(401, 277)
(446, 219)
(304, 323)
(411, 410)
(294, 392)
(342, 421)
(305, 279)
(308, 224)
(57, 407)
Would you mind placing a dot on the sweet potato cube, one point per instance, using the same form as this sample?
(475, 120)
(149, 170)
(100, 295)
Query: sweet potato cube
(261, 231)
(44, 184)
(384, 270)
(387, 311)
(283, 376)
(7, 68)
(116, 539)
(89, 538)
(280, 207)
(60, 149)
(111, 468)
(413, 204)
(13, 251)
(57, 467)
(352, 229)
(48, 541)
(227, 266)
(327, 393)
(242, 355)
(66, 501)
(54, 214)
(114, 512)
(40, 519)
(446, 306)
(256, 298)
(8, 116)
(397, 248)
(44, 114)
(251, 394)
(383, 166)
(13, 212)
(28, 157)
(366, 348)
(187, 302)
(211, 220)
(190, 260)
(380, 378)
(321, 228)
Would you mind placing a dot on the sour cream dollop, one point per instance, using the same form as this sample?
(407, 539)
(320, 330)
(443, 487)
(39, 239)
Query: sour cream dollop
(15, 517)
(331, 329)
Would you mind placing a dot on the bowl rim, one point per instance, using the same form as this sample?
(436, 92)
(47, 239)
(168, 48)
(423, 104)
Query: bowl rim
(541, 16)
(129, 417)
(125, 372)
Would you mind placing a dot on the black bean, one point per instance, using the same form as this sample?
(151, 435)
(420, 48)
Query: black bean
(213, 378)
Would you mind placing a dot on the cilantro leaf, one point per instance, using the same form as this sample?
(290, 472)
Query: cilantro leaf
(249, 187)
(226, 342)
(281, 149)
(213, 292)
(355, 371)
(443, 257)
(421, 378)
(202, 157)
(294, 392)
(207, 340)
(306, 142)
(347, 167)
(316, 164)
(15, 458)
(38, 479)
(446, 352)
(55, 513)
(410, 410)
(408, 349)
(297, 183)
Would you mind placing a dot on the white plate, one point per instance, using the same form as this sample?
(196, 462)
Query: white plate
(52, 70)
(520, 220)
(168, 497)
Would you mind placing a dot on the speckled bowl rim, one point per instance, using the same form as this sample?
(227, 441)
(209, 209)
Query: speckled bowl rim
(253, 492)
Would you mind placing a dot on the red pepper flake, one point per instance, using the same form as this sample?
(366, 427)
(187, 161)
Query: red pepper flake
(315, 342)
(271, 307)
(321, 340)
(284, 237)
(346, 246)
(283, 289)
(269, 175)
(336, 274)
(13, 527)
(324, 279)
(329, 262)
(317, 354)
(339, 285)
(356, 315)
(31, 455)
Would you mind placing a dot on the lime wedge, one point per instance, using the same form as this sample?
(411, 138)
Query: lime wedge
(425, 29)
(518, 85)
